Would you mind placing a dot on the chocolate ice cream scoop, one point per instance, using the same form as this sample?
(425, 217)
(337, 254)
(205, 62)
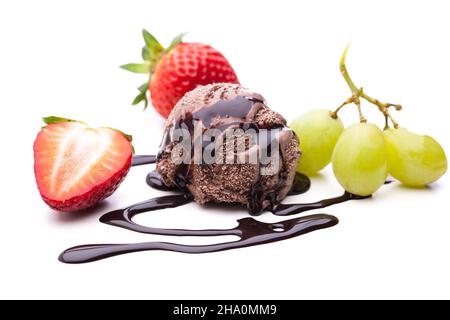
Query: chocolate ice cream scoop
(223, 144)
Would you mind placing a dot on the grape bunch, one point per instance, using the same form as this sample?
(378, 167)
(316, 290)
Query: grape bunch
(362, 154)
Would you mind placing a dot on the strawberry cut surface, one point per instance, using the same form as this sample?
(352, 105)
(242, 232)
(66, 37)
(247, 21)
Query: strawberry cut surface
(77, 166)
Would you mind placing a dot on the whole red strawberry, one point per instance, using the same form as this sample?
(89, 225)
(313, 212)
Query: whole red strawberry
(178, 69)
(77, 166)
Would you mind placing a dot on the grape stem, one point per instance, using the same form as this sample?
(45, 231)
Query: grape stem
(358, 93)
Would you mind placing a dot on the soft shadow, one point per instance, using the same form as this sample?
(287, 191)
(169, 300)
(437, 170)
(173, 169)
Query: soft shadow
(421, 188)
(67, 217)
(317, 177)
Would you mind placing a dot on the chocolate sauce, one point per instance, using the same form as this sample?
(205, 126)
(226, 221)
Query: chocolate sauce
(143, 159)
(235, 111)
(290, 209)
(122, 217)
(301, 184)
(250, 231)
(155, 181)
(237, 108)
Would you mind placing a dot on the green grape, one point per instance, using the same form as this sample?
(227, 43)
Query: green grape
(318, 133)
(360, 159)
(413, 159)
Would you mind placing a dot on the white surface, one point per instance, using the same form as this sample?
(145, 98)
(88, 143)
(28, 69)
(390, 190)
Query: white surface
(62, 58)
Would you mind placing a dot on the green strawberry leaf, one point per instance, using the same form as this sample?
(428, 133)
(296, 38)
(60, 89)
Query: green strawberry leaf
(152, 50)
(142, 96)
(177, 40)
(143, 87)
(137, 67)
(146, 55)
(151, 41)
(53, 119)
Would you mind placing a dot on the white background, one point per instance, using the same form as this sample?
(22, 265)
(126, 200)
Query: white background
(62, 58)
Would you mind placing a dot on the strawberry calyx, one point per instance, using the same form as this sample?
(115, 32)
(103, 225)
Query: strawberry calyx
(151, 53)
(54, 119)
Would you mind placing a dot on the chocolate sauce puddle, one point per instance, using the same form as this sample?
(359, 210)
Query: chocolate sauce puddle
(154, 181)
(143, 159)
(250, 231)
(301, 184)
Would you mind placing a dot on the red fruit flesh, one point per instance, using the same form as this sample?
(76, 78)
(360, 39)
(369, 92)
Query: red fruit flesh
(185, 67)
(77, 166)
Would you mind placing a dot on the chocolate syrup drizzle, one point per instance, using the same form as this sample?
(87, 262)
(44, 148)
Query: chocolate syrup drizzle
(235, 111)
(290, 209)
(154, 180)
(250, 231)
(144, 159)
(301, 184)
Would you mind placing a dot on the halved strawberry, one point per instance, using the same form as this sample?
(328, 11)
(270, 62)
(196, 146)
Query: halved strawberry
(77, 166)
